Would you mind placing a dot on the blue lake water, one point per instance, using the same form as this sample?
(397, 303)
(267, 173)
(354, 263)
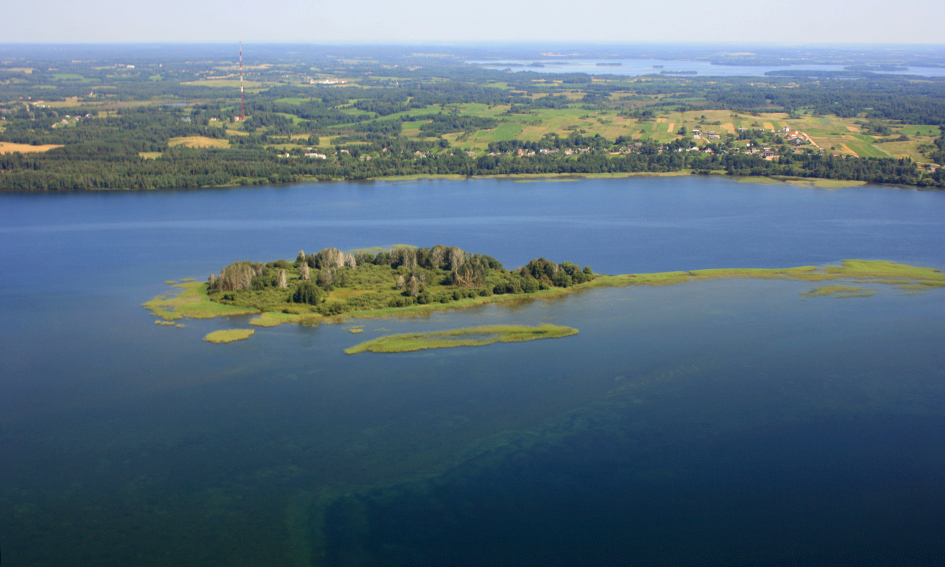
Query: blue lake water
(718, 423)
(637, 67)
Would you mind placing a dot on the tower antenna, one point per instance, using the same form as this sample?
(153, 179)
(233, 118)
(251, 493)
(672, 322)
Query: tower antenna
(242, 102)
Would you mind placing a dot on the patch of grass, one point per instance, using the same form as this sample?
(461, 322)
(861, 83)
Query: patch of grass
(191, 302)
(198, 142)
(229, 335)
(274, 319)
(472, 336)
(165, 323)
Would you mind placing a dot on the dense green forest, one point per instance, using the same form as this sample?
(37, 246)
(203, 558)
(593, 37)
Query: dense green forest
(331, 282)
(148, 121)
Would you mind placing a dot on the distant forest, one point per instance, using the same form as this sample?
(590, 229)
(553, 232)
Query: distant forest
(148, 122)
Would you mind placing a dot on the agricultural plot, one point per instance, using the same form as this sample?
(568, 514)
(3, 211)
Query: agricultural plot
(198, 142)
(10, 147)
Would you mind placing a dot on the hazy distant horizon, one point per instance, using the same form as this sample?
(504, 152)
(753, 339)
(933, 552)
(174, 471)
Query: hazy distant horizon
(911, 22)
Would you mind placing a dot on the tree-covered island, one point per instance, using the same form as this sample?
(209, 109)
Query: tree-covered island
(333, 285)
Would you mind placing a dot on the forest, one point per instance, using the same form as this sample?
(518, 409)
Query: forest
(332, 282)
(115, 121)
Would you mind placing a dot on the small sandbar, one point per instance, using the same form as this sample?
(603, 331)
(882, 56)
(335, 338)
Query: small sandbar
(471, 336)
(229, 335)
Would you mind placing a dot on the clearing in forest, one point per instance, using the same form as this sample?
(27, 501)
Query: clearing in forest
(198, 142)
(10, 147)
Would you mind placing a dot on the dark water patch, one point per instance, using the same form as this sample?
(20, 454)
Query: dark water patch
(858, 492)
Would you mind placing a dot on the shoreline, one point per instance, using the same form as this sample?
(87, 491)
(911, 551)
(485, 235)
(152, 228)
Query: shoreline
(818, 182)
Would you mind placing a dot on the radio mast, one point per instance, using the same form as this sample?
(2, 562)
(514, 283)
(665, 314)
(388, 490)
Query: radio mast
(242, 103)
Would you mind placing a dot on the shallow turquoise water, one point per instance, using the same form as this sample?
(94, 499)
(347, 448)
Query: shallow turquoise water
(719, 423)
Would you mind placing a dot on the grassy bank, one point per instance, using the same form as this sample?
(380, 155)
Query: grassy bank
(472, 336)
(191, 301)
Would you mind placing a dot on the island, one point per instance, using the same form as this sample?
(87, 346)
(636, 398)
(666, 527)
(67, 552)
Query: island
(331, 285)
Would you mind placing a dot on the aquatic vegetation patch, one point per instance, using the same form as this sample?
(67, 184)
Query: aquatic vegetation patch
(839, 291)
(229, 335)
(872, 271)
(471, 336)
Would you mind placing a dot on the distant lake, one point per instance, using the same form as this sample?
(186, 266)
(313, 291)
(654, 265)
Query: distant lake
(717, 423)
(637, 67)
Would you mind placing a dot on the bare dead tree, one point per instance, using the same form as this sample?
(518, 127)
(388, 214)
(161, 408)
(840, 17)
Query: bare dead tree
(305, 273)
(282, 282)
(457, 257)
(437, 255)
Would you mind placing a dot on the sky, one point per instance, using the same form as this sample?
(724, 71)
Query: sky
(475, 21)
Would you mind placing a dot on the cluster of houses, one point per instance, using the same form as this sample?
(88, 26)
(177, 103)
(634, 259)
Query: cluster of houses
(65, 121)
(544, 152)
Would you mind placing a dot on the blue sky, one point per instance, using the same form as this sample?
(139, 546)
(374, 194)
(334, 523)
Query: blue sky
(454, 21)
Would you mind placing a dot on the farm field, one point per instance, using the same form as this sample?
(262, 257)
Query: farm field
(198, 142)
(10, 147)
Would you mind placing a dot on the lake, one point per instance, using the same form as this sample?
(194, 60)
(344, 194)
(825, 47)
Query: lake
(638, 67)
(727, 422)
